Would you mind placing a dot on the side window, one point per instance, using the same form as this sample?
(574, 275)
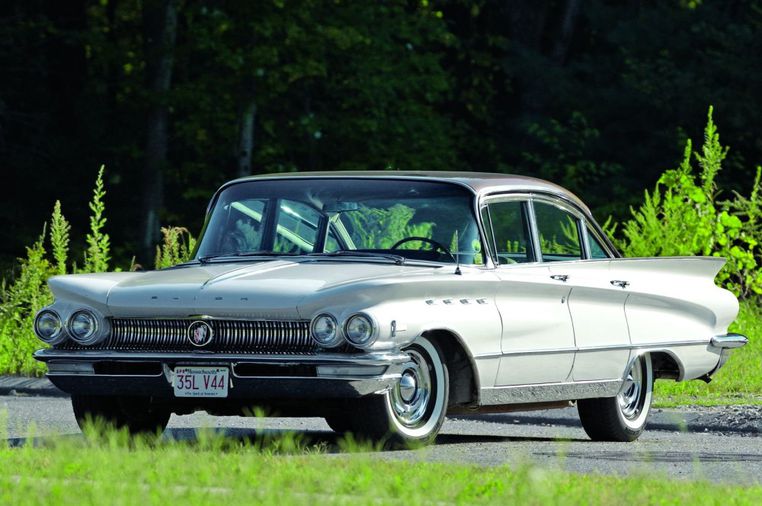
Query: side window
(332, 241)
(296, 230)
(596, 249)
(509, 227)
(558, 232)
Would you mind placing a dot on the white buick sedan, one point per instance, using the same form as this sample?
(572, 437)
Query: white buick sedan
(383, 301)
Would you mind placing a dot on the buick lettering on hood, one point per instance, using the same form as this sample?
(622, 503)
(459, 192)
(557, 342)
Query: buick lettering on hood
(382, 301)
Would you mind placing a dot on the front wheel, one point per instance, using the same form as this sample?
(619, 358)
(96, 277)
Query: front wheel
(413, 410)
(136, 414)
(621, 418)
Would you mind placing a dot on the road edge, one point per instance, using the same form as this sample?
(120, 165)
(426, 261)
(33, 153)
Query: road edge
(25, 386)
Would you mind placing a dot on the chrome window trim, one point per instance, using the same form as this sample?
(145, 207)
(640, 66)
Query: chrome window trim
(523, 198)
(588, 222)
(561, 205)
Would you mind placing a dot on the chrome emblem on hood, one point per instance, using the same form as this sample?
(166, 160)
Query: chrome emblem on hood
(200, 333)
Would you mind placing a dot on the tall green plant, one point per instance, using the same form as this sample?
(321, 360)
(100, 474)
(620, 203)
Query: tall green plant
(59, 238)
(177, 246)
(683, 216)
(98, 242)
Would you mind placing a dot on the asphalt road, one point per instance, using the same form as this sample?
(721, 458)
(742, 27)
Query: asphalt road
(716, 444)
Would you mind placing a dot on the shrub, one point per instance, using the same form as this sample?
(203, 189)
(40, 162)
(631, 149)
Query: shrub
(683, 216)
(177, 246)
(29, 291)
(26, 295)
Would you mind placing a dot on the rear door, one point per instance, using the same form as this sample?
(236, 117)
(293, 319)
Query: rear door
(596, 302)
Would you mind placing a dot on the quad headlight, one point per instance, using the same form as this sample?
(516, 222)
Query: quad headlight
(83, 327)
(325, 331)
(360, 330)
(49, 327)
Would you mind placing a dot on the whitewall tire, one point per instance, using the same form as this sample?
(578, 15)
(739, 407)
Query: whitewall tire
(413, 410)
(624, 417)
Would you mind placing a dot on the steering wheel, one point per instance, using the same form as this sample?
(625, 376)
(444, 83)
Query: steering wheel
(436, 244)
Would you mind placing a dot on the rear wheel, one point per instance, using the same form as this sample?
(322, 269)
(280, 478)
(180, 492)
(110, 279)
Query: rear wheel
(411, 412)
(624, 417)
(136, 414)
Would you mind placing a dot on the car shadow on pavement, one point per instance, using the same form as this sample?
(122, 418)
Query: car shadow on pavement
(667, 422)
(332, 441)
(328, 441)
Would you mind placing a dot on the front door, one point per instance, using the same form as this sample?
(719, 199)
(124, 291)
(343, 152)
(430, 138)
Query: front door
(538, 337)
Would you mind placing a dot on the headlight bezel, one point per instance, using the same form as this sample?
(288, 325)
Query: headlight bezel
(372, 330)
(57, 337)
(93, 336)
(335, 340)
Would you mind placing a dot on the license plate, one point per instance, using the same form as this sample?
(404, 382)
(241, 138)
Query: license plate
(201, 381)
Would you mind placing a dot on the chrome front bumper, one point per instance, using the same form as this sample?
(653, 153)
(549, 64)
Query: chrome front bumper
(252, 377)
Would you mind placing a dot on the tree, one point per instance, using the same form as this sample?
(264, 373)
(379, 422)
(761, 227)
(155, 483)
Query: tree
(159, 33)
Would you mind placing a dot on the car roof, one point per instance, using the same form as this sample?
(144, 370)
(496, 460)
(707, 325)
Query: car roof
(481, 183)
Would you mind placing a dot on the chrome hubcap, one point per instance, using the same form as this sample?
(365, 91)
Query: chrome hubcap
(410, 397)
(408, 386)
(631, 397)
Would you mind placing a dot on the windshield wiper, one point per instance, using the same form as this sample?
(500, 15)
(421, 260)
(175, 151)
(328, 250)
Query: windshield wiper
(397, 259)
(240, 254)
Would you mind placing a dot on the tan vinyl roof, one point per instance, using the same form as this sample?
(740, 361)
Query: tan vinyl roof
(481, 183)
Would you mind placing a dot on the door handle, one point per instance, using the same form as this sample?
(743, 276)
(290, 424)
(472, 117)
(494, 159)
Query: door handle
(620, 283)
(560, 277)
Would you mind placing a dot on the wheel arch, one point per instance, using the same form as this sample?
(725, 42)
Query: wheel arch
(461, 367)
(665, 363)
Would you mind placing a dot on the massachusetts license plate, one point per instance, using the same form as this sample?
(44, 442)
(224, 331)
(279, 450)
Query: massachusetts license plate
(201, 381)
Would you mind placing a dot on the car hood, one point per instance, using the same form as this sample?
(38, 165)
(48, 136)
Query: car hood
(271, 289)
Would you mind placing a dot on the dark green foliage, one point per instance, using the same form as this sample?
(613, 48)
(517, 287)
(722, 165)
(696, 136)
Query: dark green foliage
(592, 95)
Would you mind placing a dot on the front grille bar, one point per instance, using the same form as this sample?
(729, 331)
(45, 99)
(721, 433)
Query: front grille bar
(248, 336)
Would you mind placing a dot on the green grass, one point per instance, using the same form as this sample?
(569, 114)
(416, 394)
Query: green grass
(738, 382)
(111, 470)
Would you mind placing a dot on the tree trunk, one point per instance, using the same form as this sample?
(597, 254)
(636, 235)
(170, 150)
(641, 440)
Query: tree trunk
(527, 20)
(568, 24)
(246, 133)
(159, 31)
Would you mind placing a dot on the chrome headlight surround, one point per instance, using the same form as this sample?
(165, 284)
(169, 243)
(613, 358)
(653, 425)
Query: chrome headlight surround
(84, 327)
(324, 330)
(52, 338)
(361, 330)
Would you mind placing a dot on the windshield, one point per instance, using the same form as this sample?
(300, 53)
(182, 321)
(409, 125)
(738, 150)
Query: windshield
(417, 220)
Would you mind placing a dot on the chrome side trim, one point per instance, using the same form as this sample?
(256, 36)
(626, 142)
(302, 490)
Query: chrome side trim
(612, 347)
(546, 392)
(729, 341)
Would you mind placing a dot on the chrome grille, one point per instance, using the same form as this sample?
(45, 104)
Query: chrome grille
(238, 336)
